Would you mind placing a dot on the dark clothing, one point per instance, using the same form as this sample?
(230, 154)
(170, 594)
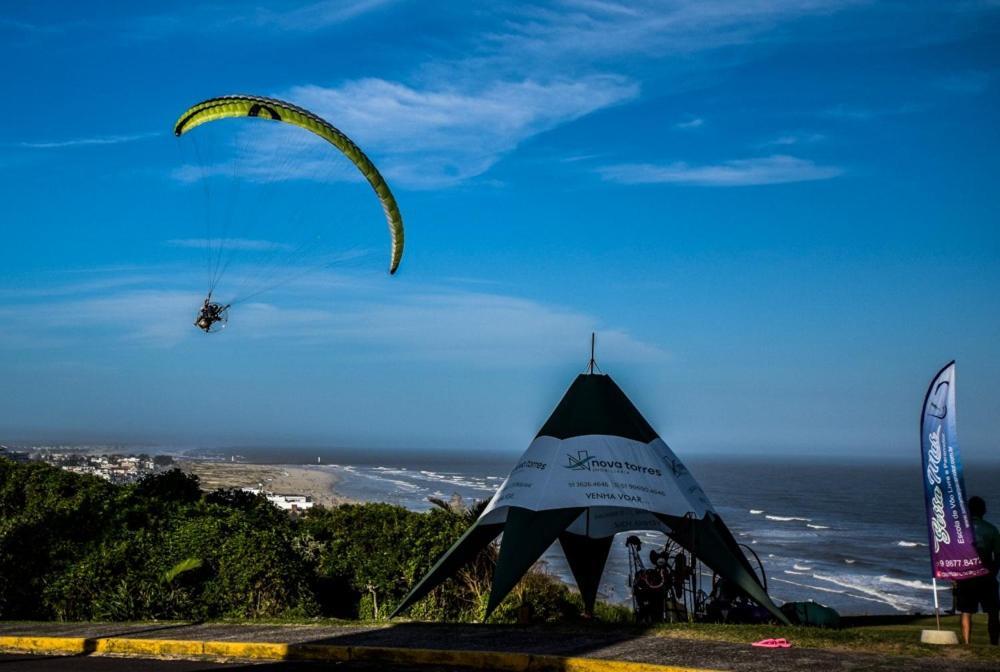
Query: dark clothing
(987, 542)
(983, 591)
(971, 594)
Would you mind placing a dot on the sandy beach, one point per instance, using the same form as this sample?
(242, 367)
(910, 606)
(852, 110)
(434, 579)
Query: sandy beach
(315, 482)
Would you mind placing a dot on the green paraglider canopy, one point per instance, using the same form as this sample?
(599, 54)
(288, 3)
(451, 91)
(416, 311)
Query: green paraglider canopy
(271, 109)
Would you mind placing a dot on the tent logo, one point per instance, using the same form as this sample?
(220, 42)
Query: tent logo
(582, 461)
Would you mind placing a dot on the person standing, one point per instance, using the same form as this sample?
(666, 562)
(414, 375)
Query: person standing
(982, 591)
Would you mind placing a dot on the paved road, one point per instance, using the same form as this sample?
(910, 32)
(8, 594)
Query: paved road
(22, 663)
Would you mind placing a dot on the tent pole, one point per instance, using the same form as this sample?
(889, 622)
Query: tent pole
(937, 610)
(694, 561)
(593, 338)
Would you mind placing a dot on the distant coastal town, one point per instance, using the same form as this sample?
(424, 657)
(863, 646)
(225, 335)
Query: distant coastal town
(122, 468)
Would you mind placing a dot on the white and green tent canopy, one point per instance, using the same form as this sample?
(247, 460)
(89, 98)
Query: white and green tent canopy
(596, 468)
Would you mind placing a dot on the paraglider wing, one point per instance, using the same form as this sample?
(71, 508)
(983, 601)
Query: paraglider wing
(277, 110)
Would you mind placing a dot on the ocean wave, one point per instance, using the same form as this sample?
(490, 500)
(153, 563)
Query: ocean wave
(756, 512)
(909, 544)
(818, 527)
(405, 485)
(785, 533)
(850, 561)
(801, 568)
(787, 519)
(790, 571)
(426, 479)
(455, 479)
(916, 584)
(861, 583)
(829, 590)
(810, 587)
(383, 477)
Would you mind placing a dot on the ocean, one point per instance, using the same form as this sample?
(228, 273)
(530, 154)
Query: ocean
(848, 534)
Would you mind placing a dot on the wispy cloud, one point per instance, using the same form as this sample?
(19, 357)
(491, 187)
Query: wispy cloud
(450, 120)
(265, 18)
(596, 30)
(97, 281)
(690, 124)
(420, 137)
(152, 317)
(777, 169)
(966, 83)
(439, 136)
(430, 322)
(790, 139)
(8, 24)
(87, 141)
(241, 244)
(847, 112)
(317, 15)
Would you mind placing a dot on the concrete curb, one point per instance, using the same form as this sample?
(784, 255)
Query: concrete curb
(483, 660)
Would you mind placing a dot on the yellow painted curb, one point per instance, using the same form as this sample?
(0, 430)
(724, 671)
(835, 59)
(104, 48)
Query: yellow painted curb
(185, 648)
(44, 644)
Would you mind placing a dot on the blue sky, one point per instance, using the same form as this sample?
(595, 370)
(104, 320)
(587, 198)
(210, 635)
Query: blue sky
(779, 216)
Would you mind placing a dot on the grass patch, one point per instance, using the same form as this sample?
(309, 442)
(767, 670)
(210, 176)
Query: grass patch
(897, 637)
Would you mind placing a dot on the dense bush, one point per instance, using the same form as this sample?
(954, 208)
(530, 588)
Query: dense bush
(74, 547)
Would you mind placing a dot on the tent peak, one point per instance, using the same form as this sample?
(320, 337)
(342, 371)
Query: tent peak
(593, 362)
(594, 404)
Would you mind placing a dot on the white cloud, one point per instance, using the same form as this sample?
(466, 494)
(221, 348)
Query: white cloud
(24, 26)
(318, 15)
(87, 141)
(242, 244)
(441, 323)
(972, 82)
(777, 169)
(419, 137)
(144, 316)
(97, 281)
(855, 113)
(794, 139)
(274, 16)
(475, 327)
(690, 124)
(541, 66)
(589, 30)
(438, 136)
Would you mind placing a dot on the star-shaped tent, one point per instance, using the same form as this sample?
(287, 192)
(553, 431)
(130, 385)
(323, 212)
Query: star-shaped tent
(596, 468)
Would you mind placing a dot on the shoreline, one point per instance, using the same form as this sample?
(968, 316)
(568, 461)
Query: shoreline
(889, 585)
(316, 482)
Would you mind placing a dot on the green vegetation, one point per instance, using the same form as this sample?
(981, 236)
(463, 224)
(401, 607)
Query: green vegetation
(886, 636)
(73, 547)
